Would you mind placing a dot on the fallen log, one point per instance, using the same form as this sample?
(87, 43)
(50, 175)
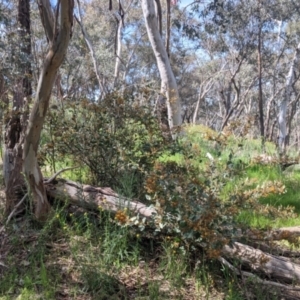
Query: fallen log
(285, 291)
(295, 230)
(275, 249)
(95, 198)
(272, 266)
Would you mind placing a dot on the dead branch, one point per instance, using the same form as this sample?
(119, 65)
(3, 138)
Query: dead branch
(57, 173)
(15, 209)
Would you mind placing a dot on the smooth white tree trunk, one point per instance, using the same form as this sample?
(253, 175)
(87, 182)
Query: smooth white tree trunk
(88, 42)
(168, 83)
(118, 53)
(284, 103)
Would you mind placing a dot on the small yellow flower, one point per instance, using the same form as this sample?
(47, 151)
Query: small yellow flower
(175, 244)
(138, 235)
(121, 217)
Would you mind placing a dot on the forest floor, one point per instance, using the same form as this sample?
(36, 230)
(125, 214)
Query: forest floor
(59, 263)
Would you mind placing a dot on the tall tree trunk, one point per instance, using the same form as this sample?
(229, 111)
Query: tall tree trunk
(89, 44)
(16, 126)
(118, 52)
(168, 83)
(196, 111)
(283, 105)
(168, 31)
(58, 48)
(259, 64)
(159, 16)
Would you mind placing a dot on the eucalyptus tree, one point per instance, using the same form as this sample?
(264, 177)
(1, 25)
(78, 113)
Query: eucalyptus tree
(59, 34)
(289, 33)
(169, 87)
(282, 122)
(17, 121)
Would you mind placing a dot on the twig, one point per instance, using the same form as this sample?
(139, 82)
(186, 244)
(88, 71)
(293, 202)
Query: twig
(57, 173)
(15, 208)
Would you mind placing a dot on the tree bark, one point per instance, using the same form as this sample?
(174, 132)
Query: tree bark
(168, 83)
(259, 65)
(54, 58)
(168, 31)
(118, 53)
(159, 16)
(16, 125)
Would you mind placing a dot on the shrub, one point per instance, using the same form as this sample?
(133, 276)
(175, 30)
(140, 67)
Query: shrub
(114, 138)
(190, 204)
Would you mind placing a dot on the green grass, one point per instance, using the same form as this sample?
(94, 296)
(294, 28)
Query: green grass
(291, 197)
(89, 257)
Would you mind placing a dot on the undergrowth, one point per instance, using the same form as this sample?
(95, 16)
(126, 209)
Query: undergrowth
(206, 187)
